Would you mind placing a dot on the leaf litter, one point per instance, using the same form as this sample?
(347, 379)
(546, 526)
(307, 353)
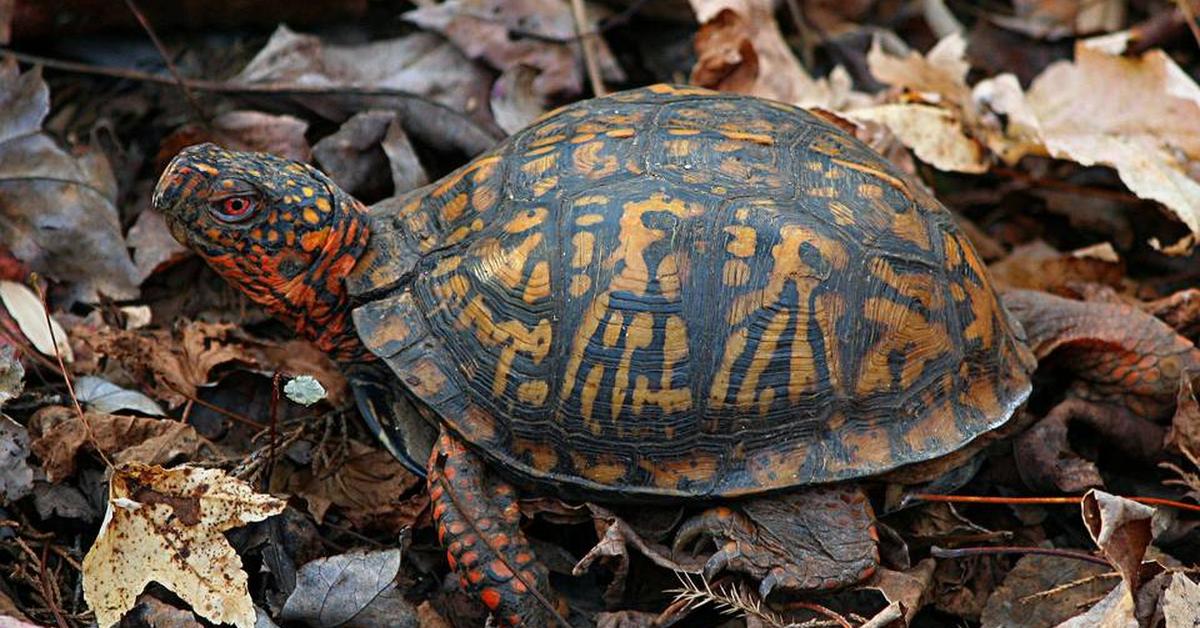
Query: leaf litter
(1087, 203)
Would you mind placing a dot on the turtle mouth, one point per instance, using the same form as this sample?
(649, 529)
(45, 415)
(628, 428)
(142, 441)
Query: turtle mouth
(177, 228)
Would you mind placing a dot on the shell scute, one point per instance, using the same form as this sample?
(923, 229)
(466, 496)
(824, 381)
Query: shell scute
(686, 294)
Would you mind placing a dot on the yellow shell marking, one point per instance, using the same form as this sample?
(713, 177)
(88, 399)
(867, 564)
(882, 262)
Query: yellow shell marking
(635, 237)
(638, 335)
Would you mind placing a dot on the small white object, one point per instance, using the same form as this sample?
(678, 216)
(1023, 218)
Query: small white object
(304, 390)
(29, 313)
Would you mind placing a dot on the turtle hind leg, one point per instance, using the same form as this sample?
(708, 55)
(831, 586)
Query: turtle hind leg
(478, 522)
(815, 539)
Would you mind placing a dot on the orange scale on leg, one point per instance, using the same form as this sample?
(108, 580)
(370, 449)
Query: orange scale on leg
(500, 570)
(491, 598)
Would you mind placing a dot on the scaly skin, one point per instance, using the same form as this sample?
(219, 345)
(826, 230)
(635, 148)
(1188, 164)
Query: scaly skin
(478, 522)
(667, 293)
(1120, 355)
(288, 237)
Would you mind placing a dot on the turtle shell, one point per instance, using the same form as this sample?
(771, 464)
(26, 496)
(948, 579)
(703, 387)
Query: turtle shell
(675, 292)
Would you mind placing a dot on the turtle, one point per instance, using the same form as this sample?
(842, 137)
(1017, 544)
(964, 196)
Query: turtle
(664, 295)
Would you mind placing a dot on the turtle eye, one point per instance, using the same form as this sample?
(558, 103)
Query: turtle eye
(234, 208)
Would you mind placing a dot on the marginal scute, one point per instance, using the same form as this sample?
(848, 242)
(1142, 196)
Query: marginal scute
(677, 293)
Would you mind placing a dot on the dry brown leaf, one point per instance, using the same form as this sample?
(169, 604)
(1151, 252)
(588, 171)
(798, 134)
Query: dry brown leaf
(359, 156)
(256, 131)
(1121, 528)
(514, 102)
(16, 477)
(1055, 19)
(495, 31)
(172, 365)
(1147, 125)
(57, 211)
(356, 590)
(300, 357)
(939, 74)
(1184, 435)
(165, 526)
(59, 437)
(153, 245)
(740, 48)
(1045, 590)
(1039, 266)
(368, 486)
(936, 114)
(908, 588)
(421, 63)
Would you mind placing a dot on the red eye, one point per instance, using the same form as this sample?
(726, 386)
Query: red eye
(234, 208)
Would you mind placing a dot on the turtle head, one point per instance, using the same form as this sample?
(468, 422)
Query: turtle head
(279, 230)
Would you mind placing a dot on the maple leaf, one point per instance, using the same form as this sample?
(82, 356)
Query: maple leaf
(165, 525)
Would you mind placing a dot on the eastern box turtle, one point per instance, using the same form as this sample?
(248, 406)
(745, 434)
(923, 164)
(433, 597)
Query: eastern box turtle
(667, 293)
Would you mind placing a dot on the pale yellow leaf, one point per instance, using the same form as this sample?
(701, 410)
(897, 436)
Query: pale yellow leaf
(165, 525)
(940, 74)
(933, 133)
(29, 313)
(1139, 115)
(1022, 134)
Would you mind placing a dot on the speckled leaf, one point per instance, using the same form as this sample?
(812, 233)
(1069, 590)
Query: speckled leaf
(1181, 602)
(166, 526)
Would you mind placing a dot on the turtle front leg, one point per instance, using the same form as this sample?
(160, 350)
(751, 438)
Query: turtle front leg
(478, 522)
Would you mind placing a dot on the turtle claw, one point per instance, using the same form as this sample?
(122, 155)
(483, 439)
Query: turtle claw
(719, 561)
(818, 539)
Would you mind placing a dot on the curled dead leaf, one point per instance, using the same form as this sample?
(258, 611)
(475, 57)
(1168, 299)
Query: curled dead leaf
(498, 32)
(1121, 528)
(60, 436)
(368, 486)
(739, 48)
(935, 134)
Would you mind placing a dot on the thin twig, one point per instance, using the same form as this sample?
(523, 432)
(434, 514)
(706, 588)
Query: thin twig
(240, 418)
(273, 422)
(166, 57)
(961, 552)
(1053, 591)
(52, 600)
(1074, 500)
(587, 42)
(62, 368)
(42, 584)
(216, 87)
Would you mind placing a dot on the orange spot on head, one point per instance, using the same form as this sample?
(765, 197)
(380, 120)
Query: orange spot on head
(313, 240)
